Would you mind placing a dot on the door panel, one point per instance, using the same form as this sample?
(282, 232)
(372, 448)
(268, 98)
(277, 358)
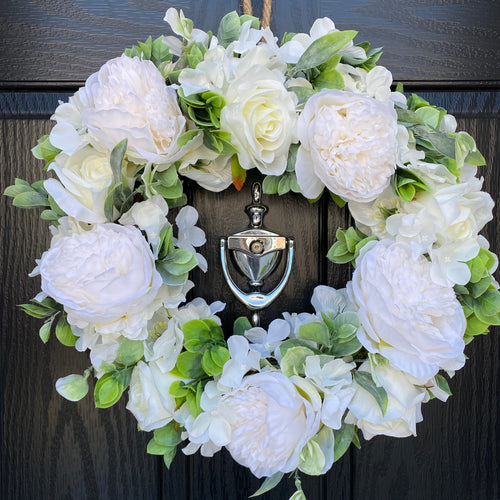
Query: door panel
(52, 448)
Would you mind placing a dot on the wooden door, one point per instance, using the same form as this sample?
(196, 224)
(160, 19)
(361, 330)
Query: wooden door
(447, 50)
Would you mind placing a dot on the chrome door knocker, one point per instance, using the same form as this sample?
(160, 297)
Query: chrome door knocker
(256, 252)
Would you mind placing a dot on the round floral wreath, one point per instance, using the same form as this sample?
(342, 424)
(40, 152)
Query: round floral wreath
(310, 113)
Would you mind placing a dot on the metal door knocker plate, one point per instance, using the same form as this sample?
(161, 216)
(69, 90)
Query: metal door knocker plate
(256, 253)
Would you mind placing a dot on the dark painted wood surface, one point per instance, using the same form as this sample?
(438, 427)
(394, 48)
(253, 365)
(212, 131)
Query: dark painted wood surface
(53, 449)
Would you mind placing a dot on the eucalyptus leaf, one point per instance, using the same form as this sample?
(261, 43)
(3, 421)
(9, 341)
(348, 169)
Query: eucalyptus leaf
(364, 380)
(168, 435)
(130, 351)
(343, 439)
(323, 49)
(268, 484)
(241, 325)
(64, 333)
(315, 331)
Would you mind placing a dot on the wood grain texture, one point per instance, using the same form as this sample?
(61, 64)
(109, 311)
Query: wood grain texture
(424, 40)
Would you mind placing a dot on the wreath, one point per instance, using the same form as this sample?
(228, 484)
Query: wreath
(316, 116)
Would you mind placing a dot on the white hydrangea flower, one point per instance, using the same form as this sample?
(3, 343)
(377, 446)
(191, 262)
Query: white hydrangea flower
(333, 377)
(267, 343)
(189, 235)
(243, 359)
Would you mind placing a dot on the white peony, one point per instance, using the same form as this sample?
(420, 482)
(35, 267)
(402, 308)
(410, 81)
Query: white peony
(102, 276)
(403, 408)
(406, 317)
(149, 399)
(348, 144)
(85, 179)
(128, 99)
(270, 423)
(260, 116)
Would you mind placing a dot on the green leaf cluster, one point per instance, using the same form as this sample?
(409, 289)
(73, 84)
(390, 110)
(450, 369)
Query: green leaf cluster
(206, 351)
(451, 149)
(49, 310)
(165, 183)
(241, 325)
(332, 336)
(109, 388)
(189, 393)
(348, 245)
(480, 298)
(44, 150)
(230, 27)
(372, 57)
(165, 441)
(286, 182)
(172, 263)
(152, 50)
(204, 110)
(406, 184)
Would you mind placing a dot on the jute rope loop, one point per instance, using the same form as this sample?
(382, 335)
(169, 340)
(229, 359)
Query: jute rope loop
(266, 11)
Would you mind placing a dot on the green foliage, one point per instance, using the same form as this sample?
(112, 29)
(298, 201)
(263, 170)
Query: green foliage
(443, 384)
(286, 182)
(130, 351)
(343, 439)
(372, 57)
(64, 333)
(364, 380)
(205, 350)
(47, 309)
(153, 50)
(315, 331)
(480, 298)
(230, 27)
(406, 184)
(268, 484)
(165, 183)
(241, 325)
(321, 50)
(348, 245)
(173, 264)
(110, 387)
(293, 361)
(44, 150)
(28, 195)
(450, 149)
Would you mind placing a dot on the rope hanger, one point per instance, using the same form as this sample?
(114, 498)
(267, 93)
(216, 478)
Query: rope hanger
(266, 11)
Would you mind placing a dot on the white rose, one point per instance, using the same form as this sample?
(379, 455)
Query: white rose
(260, 116)
(149, 399)
(101, 276)
(348, 144)
(85, 180)
(405, 316)
(270, 423)
(403, 407)
(128, 99)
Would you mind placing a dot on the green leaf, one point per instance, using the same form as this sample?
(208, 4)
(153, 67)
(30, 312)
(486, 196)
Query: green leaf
(168, 435)
(241, 325)
(155, 448)
(116, 160)
(184, 138)
(196, 329)
(270, 184)
(317, 332)
(364, 380)
(345, 348)
(216, 332)
(211, 368)
(130, 351)
(178, 389)
(338, 200)
(31, 199)
(44, 150)
(229, 29)
(323, 49)
(45, 329)
(268, 484)
(284, 184)
(169, 455)
(220, 355)
(64, 333)
(291, 343)
(189, 365)
(107, 391)
(343, 439)
(331, 79)
(303, 93)
(36, 310)
(294, 360)
(443, 384)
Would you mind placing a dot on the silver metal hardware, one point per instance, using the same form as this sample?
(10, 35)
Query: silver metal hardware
(255, 253)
